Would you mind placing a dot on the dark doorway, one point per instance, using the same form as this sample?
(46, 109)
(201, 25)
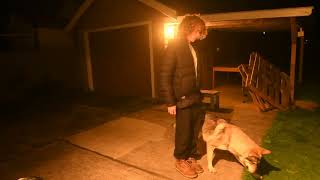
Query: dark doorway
(121, 61)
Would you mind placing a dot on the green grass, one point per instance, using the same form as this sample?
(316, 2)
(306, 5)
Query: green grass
(294, 142)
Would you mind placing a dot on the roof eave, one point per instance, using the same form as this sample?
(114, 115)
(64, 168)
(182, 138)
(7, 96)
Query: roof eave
(81, 10)
(167, 11)
(259, 14)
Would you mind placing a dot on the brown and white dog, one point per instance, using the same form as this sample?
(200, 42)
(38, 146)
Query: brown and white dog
(220, 134)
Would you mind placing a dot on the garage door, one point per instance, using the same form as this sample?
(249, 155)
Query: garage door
(120, 61)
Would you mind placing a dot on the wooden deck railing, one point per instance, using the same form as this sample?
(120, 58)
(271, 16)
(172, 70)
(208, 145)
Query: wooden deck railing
(266, 84)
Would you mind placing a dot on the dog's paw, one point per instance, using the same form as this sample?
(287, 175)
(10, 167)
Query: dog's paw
(212, 170)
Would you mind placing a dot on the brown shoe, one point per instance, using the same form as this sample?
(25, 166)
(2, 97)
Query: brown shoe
(193, 163)
(183, 167)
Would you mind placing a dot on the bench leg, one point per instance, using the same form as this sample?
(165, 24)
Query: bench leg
(214, 104)
(213, 79)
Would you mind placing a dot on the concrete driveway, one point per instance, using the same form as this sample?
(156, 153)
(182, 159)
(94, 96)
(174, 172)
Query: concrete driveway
(84, 141)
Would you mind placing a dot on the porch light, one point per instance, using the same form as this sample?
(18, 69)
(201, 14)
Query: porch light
(170, 32)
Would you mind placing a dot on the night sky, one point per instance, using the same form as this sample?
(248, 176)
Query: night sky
(56, 13)
(48, 13)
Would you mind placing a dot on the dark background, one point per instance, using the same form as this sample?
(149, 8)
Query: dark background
(221, 47)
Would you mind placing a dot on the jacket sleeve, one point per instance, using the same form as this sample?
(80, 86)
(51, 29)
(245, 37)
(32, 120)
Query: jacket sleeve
(167, 73)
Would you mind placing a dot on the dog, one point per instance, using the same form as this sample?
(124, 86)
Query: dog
(218, 133)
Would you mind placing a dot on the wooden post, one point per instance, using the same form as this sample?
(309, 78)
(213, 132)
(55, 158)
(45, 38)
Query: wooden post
(293, 56)
(150, 35)
(88, 61)
(301, 52)
(213, 78)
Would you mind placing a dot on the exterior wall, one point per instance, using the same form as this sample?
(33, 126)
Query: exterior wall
(158, 50)
(17, 76)
(51, 67)
(54, 39)
(58, 50)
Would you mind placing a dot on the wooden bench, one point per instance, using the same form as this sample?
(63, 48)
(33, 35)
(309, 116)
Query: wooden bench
(211, 98)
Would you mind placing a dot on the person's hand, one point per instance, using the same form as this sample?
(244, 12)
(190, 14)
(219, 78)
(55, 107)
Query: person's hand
(172, 110)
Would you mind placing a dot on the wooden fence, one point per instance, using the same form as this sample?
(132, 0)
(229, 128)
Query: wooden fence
(266, 84)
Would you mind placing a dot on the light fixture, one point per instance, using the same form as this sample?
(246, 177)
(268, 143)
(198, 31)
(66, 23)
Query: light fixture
(170, 32)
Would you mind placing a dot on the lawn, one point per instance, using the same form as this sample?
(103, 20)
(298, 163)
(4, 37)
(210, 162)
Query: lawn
(294, 142)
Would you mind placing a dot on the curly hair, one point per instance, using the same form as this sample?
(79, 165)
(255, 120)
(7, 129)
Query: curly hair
(189, 23)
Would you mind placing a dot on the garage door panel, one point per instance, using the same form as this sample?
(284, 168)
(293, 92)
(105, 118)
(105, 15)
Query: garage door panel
(121, 62)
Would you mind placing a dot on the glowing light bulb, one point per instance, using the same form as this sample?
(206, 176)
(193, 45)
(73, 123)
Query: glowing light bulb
(169, 31)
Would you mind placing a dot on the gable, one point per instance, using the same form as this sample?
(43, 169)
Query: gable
(104, 13)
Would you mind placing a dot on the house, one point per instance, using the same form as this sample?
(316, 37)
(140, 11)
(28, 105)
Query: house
(121, 45)
(114, 47)
(106, 36)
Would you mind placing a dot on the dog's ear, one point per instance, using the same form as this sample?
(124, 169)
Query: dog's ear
(221, 121)
(255, 152)
(219, 129)
(265, 151)
(212, 120)
(259, 152)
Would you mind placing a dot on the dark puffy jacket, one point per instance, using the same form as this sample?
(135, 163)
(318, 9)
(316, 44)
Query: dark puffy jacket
(177, 72)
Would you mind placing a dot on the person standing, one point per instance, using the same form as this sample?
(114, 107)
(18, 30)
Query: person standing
(180, 89)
